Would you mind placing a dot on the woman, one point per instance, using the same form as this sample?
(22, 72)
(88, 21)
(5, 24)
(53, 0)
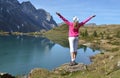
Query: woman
(73, 35)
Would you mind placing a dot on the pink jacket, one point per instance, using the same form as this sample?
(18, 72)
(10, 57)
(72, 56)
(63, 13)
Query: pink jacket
(74, 32)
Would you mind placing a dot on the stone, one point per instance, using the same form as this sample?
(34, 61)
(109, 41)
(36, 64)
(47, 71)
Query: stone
(66, 68)
(118, 64)
(6, 75)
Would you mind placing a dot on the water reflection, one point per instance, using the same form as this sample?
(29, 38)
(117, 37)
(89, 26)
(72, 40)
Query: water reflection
(24, 43)
(21, 52)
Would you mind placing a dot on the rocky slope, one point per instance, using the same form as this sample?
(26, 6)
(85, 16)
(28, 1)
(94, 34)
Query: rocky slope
(24, 17)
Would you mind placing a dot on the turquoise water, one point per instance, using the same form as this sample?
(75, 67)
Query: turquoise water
(20, 54)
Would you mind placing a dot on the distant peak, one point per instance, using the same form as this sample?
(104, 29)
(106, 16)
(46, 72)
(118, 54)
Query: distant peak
(27, 3)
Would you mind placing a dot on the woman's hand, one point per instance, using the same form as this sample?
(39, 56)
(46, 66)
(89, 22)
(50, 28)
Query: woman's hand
(94, 16)
(57, 13)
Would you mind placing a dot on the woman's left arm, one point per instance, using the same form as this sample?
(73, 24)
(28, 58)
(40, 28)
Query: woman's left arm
(85, 21)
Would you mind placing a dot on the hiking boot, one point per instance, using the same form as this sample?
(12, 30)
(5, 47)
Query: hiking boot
(72, 63)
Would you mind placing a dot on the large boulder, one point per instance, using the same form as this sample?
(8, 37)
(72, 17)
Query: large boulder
(6, 75)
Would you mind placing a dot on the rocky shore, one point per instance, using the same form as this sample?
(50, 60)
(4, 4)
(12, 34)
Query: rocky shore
(64, 69)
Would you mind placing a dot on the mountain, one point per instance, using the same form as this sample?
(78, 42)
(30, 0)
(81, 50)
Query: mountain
(90, 24)
(23, 17)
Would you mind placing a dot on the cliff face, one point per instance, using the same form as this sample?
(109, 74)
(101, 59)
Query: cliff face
(24, 17)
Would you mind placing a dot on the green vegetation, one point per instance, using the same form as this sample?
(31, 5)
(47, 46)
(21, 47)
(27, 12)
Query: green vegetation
(118, 34)
(84, 33)
(95, 34)
(3, 33)
(88, 34)
(59, 35)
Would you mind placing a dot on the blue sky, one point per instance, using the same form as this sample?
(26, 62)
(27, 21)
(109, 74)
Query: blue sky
(106, 11)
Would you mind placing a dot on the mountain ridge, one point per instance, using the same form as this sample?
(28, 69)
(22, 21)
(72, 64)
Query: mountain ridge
(23, 17)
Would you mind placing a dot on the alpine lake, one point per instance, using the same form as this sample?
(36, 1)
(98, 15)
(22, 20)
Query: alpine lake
(20, 54)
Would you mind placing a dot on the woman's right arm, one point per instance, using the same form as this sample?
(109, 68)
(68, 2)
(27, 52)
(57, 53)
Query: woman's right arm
(64, 19)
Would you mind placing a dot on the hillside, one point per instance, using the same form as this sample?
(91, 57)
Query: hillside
(87, 34)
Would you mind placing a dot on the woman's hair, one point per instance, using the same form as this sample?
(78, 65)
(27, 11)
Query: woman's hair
(76, 25)
(76, 22)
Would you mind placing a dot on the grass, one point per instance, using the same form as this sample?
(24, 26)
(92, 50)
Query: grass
(58, 35)
(94, 34)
